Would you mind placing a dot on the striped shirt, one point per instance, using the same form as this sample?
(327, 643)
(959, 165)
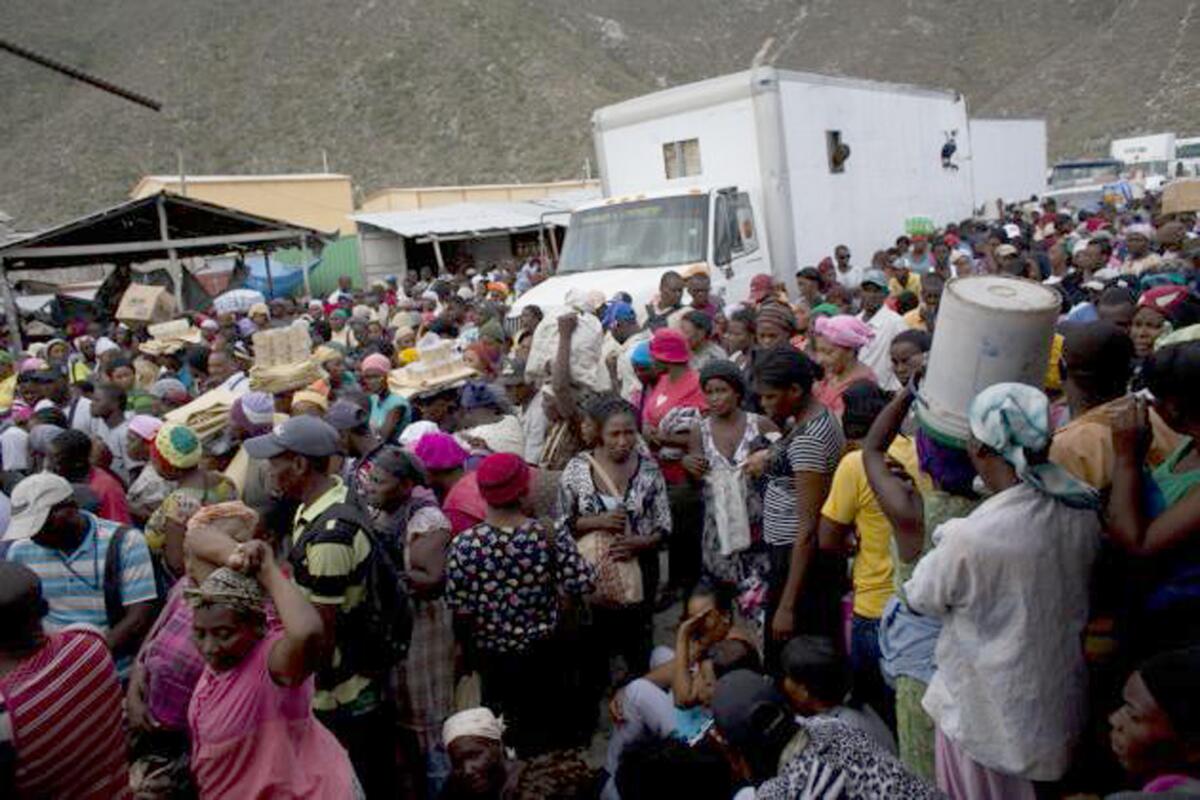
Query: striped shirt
(812, 446)
(73, 583)
(61, 712)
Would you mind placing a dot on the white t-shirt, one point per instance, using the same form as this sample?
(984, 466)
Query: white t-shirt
(117, 442)
(877, 353)
(14, 448)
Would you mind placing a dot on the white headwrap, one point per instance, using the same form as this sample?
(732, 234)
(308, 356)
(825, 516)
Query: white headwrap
(479, 722)
(104, 344)
(414, 431)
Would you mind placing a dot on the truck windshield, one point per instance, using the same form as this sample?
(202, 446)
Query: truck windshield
(647, 233)
(1079, 173)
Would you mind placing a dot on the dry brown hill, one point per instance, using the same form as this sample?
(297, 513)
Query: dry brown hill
(402, 92)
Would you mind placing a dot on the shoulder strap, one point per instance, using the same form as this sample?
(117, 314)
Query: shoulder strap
(606, 480)
(114, 608)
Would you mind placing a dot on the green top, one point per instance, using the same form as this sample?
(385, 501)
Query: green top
(939, 507)
(1174, 485)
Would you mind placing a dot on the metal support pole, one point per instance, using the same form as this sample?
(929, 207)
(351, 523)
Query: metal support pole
(437, 253)
(176, 269)
(10, 308)
(270, 280)
(304, 265)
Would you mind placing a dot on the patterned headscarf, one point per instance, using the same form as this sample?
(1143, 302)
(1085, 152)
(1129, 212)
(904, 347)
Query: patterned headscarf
(254, 412)
(228, 587)
(178, 445)
(1013, 418)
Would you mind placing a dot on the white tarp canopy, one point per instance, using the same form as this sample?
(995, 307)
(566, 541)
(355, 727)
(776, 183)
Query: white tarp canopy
(32, 303)
(475, 219)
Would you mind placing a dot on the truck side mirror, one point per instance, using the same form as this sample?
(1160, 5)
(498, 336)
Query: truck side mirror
(726, 231)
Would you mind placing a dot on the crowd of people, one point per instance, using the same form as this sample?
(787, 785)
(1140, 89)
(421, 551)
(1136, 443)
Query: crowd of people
(366, 586)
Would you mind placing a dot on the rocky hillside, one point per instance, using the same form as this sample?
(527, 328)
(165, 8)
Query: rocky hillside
(404, 92)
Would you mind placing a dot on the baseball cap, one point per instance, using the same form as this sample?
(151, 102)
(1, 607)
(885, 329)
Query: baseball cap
(748, 709)
(306, 435)
(1005, 250)
(345, 415)
(31, 503)
(875, 277)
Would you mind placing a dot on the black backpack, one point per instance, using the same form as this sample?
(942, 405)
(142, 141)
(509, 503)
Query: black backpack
(380, 638)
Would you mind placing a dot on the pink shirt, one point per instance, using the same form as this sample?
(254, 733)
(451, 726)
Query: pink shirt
(464, 506)
(254, 738)
(668, 394)
(829, 390)
(113, 505)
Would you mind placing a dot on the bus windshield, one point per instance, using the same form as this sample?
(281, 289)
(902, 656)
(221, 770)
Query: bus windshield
(662, 232)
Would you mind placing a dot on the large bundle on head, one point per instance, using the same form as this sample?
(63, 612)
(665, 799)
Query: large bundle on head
(285, 377)
(990, 329)
(437, 367)
(207, 415)
(283, 360)
(587, 366)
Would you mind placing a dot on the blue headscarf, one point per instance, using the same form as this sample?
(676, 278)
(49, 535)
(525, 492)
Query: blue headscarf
(639, 356)
(618, 311)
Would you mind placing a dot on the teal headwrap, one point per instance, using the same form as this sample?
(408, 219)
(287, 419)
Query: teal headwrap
(1012, 418)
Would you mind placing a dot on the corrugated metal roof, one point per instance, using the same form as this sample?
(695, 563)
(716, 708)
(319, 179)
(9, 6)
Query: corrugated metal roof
(474, 218)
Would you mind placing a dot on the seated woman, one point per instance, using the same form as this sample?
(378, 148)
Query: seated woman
(251, 721)
(671, 700)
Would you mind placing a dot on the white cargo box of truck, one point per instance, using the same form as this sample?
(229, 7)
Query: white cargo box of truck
(1008, 162)
(760, 171)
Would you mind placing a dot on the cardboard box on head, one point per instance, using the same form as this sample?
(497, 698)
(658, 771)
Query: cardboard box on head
(146, 304)
(1181, 195)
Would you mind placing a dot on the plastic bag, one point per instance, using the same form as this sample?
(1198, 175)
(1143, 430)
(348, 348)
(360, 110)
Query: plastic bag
(728, 489)
(587, 366)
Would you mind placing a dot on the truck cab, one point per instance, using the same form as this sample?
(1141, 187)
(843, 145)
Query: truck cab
(627, 243)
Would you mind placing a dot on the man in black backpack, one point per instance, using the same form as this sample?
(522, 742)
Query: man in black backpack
(335, 561)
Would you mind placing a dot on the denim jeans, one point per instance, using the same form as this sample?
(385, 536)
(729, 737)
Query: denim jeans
(869, 686)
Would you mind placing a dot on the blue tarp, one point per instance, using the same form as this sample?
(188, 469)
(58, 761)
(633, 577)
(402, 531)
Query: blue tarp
(286, 279)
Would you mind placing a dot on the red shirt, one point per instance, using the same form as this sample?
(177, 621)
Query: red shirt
(64, 703)
(113, 504)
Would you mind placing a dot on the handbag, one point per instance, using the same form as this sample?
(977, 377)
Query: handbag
(618, 583)
(729, 509)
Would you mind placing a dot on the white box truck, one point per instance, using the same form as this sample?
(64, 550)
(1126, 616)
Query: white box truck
(760, 171)
(1008, 164)
(1149, 160)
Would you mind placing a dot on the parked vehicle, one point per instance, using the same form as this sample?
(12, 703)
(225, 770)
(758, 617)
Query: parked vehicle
(1009, 163)
(760, 171)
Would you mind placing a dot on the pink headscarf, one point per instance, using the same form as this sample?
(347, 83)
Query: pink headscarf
(145, 426)
(670, 346)
(439, 451)
(844, 331)
(376, 362)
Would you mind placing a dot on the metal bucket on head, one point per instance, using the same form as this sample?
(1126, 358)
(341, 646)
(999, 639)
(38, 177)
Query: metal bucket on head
(990, 329)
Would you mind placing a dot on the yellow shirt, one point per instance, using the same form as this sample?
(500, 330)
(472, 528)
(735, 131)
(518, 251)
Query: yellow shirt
(1084, 446)
(851, 502)
(913, 285)
(8, 388)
